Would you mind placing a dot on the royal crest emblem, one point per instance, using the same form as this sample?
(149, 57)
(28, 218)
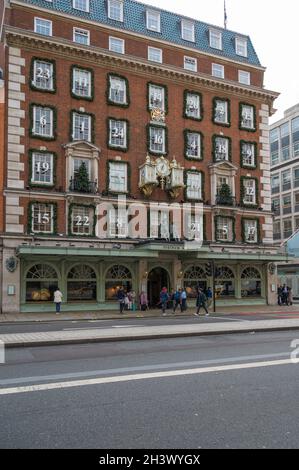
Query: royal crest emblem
(11, 264)
(157, 115)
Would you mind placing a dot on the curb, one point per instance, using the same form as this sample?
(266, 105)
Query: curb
(140, 337)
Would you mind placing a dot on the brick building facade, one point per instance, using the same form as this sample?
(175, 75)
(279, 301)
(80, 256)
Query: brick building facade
(103, 97)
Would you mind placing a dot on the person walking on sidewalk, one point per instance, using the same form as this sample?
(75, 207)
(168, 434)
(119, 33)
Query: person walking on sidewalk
(183, 300)
(209, 297)
(164, 297)
(176, 300)
(121, 299)
(57, 300)
(201, 302)
(143, 301)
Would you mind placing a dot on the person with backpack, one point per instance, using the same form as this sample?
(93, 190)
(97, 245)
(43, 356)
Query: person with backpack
(201, 302)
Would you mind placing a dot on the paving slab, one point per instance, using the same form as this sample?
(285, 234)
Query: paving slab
(147, 332)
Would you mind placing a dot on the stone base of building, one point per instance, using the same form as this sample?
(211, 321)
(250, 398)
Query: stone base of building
(89, 274)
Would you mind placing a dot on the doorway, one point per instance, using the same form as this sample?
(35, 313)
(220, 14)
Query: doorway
(157, 279)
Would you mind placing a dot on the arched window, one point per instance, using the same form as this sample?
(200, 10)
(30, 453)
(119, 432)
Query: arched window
(117, 276)
(251, 282)
(41, 282)
(81, 283)
(225, 282)
(195, 276)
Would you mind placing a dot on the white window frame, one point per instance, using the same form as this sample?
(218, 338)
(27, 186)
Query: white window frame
(43, 218)
(225, 147)
(50, 24)
(80, 160)
(249, 184)
(153, 15)
(40, 155)
(218, 70)
(250, 224)
(190, 101)
(241, 45)
(244, 81)
(226, 117)
(189, 28)
(189, 66)
(121, 45)
(160, 132)
(80, 72)
(215, 39)
(157, 52)
(124, 176)
(84, 33)
(253, 155)
(251, 108)
(84, 222)
(154, 90)
(114, 4)
(194, 186)
(34, 131)
(78, 5)
(122, 89)
(51, 69)
(196, 139)
(81, 115)
(226, 226)
(116, 123)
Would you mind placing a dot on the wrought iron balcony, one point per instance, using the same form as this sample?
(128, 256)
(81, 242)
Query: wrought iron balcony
(222, 200)
(83, 186)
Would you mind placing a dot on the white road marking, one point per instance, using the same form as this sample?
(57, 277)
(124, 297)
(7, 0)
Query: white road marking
(97, 327)
(128, 378)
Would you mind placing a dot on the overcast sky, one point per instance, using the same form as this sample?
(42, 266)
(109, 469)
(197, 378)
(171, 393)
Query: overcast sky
(273, 27)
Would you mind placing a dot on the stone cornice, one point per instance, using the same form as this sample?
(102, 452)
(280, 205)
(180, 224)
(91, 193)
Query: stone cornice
(102, 57)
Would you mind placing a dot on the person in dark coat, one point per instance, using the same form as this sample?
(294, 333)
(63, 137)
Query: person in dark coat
(201, 302)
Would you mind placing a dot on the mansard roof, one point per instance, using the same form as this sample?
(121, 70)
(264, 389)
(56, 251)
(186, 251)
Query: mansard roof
(135, 21)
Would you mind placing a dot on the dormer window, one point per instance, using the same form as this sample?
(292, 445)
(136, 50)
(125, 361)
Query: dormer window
(82, 5)
(241, 47)
(153, 21)
(215, 39)
(187, 29)
(116, 10)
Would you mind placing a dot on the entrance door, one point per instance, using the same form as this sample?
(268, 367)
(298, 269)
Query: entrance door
(157, 279)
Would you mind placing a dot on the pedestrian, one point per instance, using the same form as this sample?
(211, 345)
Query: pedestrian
(201, 302)
(176, 300)
(164, 297)
(284, 294)
(121, 300)
(209, 297)
(129, 300)
(290, 296)
(133, 300)
(57, 300)
(143, 301)
(279, 295)
(183, 300)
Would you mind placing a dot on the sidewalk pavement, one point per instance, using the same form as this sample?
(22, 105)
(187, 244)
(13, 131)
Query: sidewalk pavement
(114, 314)
(130, 333)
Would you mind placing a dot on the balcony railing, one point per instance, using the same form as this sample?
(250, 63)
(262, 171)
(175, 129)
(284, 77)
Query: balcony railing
(83, 187)
(225, 201)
